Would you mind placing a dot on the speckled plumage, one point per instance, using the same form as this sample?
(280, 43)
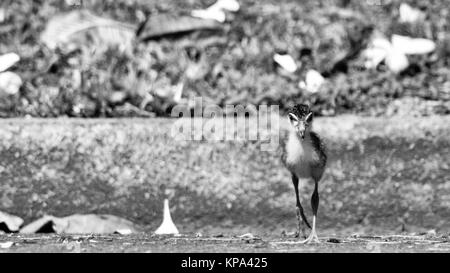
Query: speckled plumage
(300, 110)
(305, 158)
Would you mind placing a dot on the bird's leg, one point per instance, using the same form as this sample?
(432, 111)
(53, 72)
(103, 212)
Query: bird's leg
(300, 214)
(300, 226)
(313, 238)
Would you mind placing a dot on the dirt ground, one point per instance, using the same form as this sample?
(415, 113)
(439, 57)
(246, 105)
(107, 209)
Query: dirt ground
(194, 243)
(386, 188)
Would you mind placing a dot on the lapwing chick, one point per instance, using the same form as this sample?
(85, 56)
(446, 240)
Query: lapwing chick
(303, 154)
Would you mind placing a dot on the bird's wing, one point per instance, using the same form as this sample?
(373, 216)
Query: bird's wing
(320, 148)
(284, 135)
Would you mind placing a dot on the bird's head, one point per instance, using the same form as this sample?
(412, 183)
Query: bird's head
(301, 117)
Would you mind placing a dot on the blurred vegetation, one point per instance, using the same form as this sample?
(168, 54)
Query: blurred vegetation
(231, 66)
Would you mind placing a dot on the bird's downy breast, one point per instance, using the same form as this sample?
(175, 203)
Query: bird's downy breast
(298, 156)
(294, 150)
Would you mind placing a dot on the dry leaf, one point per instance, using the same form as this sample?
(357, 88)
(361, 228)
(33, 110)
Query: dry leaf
(409, 14)
(9, 223)
(396, 60)
(6, 244)
(78, 223)
(82, 28)
(412, 46)
(10, 83)
(229, 5)
(8, 60)
(247, 236)
(394, 52)
(313, 81)
(160, 25)
(286, 62)
(216, 11)
(209, 14)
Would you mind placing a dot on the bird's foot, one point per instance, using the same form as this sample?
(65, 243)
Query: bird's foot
(312, 238)
(299, 234)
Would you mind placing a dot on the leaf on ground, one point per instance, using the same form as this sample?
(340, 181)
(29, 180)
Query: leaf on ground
(8, 60)
(79, 223)
(6, 244)
(408, 14)
(82, 28)
(157, 26)
(10, 83)
(413, 46)
(9, 223)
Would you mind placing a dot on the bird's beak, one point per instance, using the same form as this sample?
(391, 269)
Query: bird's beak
(302, 134)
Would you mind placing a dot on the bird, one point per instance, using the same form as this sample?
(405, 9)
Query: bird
(304, 155)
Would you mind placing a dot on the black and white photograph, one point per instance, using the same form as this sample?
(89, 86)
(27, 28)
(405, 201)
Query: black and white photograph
(224, 126)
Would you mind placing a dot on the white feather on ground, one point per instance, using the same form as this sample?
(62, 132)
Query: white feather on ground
(167, 226)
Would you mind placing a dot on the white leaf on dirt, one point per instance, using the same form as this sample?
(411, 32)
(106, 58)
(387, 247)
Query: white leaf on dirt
(2, 15)
(376, 51)
(381, 49)
(286, 62)
(81, 28)
(431, 233)
(12, 222)
(396, 60)
(409, 14)
(160, 25)
(313, 81)
(373, 57)
(229, 5)
(247, 236)
(216, 11)
(79, 224)
(6, 244)
(8, 60)
(73, 2)
(77, 78)
(117, 97)
(178, 92)
(167, 226)
(10, 83)
(381, 43)
(210, 14)
(196, 71)
(412, 46)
